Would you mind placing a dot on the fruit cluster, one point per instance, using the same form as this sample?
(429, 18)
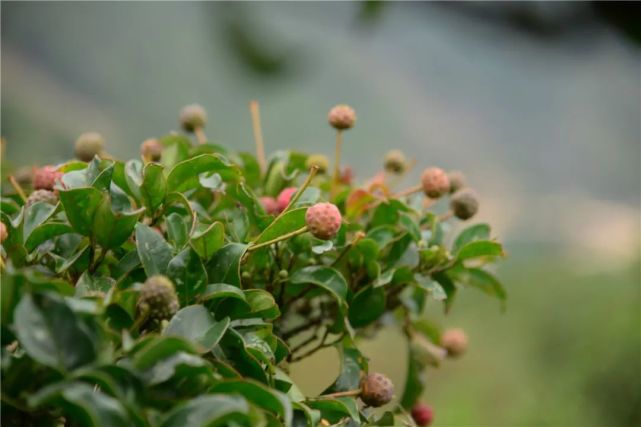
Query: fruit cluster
(178, 288)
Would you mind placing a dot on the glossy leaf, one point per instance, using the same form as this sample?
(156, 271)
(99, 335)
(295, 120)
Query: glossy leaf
(196, 323)
(153, 250)
(80, 206)
(209, 240)
(184, 175)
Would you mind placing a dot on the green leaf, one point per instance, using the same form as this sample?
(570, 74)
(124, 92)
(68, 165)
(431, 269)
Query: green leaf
(225, 265)
(432, 287)
(45, 232)
(177, 230)
(221, 290)
(208, 410)
(208, 241)
(352, 364)
(176, 149)
(334, 410)
(133, 177)
(153, 250)
(80, 206)
(35, 215)
(480, 248)
(187, 272)
(84, 404)
(470, 234)
(113, 229)
(153, 187)
(290, 221)
(184, 175)
(158, 348)
(195, 323)
(261, 396)
(367, 306)
(51, 333)
(324, 277)
(482, 280)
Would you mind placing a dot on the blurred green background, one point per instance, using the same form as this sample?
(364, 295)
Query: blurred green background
(539, 103)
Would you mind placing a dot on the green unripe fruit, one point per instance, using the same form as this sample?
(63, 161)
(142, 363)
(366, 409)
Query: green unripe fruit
(318, 160)
(376, 389)
(395, 162)
(158, 297)
(464, 204)
(283, 274)
(193, 116)
(42, 196)
(457, 181)
(88, 145)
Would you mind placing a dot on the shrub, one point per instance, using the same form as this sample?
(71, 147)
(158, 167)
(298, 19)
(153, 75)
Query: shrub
(175, 290)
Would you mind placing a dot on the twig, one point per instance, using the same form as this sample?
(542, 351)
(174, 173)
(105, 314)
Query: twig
(346, 393)
(18, 189)
(408, 191)
(200, 135)
(278, 239)
(258, 136)
(337, 163)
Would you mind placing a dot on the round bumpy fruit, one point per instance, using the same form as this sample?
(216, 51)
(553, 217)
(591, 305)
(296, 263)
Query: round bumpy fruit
(457, 181)
(435, 182)
(376, 389)
(323, 220)
(319, 160)
(395, 162)
(193, 116)
(284, 198)
(270, 205)
(341, 117)
(88, 145)
(42, 196)
(454, 341)
(45, 178)
(464, 204)
(158, 297)
(422, 414)
(151, 149)
(4, 233)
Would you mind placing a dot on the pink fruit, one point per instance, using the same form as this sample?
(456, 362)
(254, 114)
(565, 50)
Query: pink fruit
(270, 205)
(422, 414)
(284, 198)
(45, 178)
(435, 182)
(323, 220)
(454, 341)
(341, 117)
(376, 389)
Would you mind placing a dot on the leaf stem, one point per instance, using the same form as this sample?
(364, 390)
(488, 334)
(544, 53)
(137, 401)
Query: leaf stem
(278, 239)
(18, 189)
(254, 109)
(447, 215)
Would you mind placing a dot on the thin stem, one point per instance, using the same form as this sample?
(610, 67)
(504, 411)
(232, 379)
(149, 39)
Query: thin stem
(139, 322)
(357, 237)
(200, 135)
(18, 189)
(278, 239)
(294, 199)
(447, 215)
(346, 393)
(337, 163)
(304, 343)
(300, 328)
(408, 191)
(318, 347)
(258, 136)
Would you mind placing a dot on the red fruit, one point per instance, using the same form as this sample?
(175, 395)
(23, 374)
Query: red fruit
(270, 205)
(45, 178)
(435, 182)
(323, 220)
(284, 197)
(347, 175)
(422, 414)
